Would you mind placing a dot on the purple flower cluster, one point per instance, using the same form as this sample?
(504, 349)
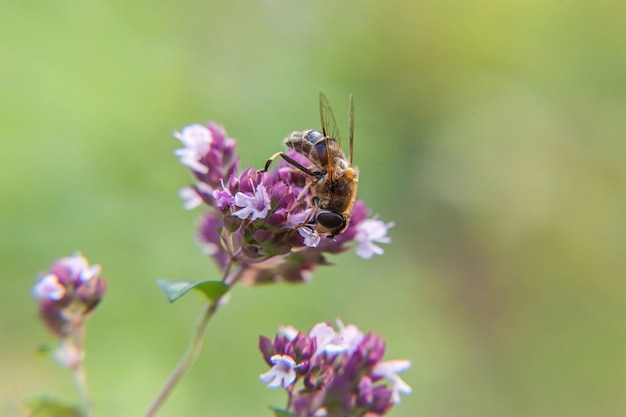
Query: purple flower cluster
(66, 296)
(261, 221)
(67, 293)
(329, 372)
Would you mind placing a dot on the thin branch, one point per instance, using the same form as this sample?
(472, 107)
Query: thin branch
(185, 362)
(78, 370)
(192, 351)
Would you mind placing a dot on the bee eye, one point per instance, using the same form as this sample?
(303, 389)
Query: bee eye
(330, 220)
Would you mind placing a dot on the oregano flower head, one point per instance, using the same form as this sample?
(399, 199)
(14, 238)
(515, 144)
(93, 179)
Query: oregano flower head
(262, 220)
(333, 372)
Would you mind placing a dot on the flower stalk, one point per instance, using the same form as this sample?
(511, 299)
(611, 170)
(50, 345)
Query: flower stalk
(66, 296)
(194, 347)
(79, 374)
(186, 361)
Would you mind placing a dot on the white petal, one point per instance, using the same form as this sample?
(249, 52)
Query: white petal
(204, 187)
(49, 287)
(295, 220)
(351, 336)
(89, 273)
(208, 248)
(191, 199)
(243, 200)
(288, 331)
(390, 370)
(256, 205)
(271, 379)
(243, 213)
(311, 237)
(281, 374)
(76, 264)
(387, 368)
(197, 141)
(323, 334)
(367, 249)
(194, 136)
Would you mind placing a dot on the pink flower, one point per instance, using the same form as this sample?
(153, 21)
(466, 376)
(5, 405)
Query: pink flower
(390, 370)
(256, 205)
(49, 288)
(282, 374)
(197, 141)
(68, 292)
(369, 232)
(340, 371)
(311, 237)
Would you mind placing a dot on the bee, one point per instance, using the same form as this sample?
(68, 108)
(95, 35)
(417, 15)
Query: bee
(334, 179)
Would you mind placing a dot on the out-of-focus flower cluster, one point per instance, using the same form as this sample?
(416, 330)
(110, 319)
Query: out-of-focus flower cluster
(68, 292)
(66, 295)
(261, 220)
(332, 373)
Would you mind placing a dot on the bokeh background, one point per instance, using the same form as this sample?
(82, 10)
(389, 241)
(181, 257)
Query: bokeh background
(492, 133)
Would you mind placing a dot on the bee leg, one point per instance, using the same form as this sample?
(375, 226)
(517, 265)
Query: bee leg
(309, 221)
(302, 193)
(270, 160)
(310, 218)
(290, 160)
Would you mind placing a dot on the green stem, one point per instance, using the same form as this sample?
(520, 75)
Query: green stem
(188, 358)
(78, 370)
(190, 355)
(80, 380)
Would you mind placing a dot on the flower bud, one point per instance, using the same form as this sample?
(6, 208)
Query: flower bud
(67, 293)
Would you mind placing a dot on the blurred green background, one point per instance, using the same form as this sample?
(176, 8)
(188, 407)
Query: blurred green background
(492, 133)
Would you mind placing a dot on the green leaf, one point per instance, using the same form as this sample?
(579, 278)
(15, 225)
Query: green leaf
(281, 413)
(44, 349)
(46, 405)
(175, 289)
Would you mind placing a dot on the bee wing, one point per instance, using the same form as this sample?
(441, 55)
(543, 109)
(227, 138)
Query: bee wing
(329, 129)
(351, 122)
(329, 124)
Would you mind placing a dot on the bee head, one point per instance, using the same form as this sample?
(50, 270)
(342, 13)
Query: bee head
(334, 222)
